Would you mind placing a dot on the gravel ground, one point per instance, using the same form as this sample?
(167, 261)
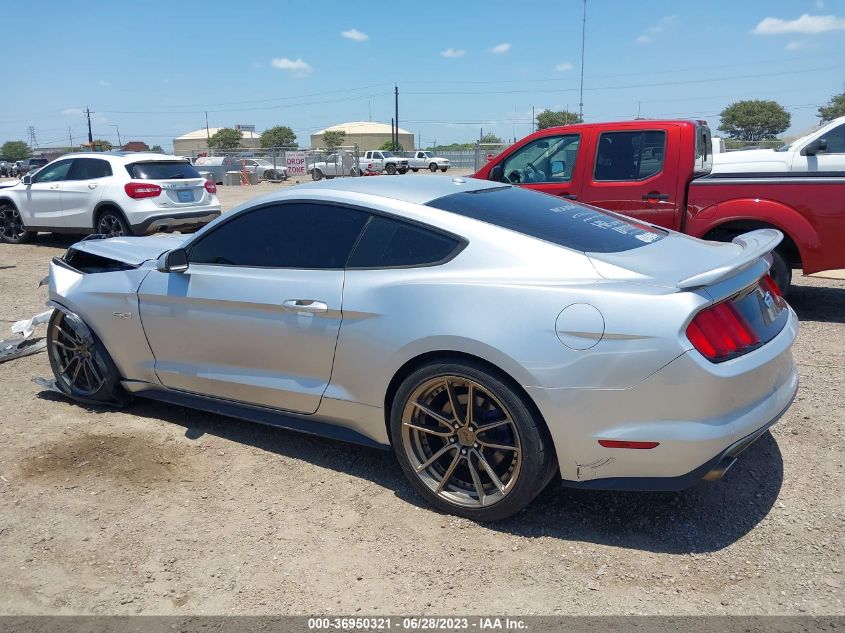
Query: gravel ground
(159, 509)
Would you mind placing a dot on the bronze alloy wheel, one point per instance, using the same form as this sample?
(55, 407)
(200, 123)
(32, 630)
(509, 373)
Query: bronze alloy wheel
(461, 441)
(74, 358)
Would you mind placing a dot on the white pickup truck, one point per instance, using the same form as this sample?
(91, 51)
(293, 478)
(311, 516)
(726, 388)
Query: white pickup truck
(342, 165)
(388, 161)
(820, 151)
(427, 160)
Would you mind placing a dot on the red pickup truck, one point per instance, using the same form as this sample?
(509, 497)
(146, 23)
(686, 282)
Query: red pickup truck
(659, 171)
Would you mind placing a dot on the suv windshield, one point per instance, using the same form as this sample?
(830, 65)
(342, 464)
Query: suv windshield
(162, 170)
(551, 219)
(37, 161)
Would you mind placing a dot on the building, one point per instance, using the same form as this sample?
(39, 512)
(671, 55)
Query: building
(197, 141)
(368, 135)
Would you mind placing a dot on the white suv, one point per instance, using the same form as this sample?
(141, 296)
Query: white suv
(114, 193)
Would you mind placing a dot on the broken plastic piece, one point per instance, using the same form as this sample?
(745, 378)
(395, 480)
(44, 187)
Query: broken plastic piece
(27, 326)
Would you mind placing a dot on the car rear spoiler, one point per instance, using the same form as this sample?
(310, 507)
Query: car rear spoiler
(755, 244)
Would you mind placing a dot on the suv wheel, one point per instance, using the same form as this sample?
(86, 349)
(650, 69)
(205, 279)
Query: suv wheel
(390, 168)
(111, 223)
(433, 167)
(11, 225)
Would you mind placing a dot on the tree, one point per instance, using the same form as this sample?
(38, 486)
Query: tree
(754, 120)
(835, 108)
(101, 146)
(278, 136)
(225, 138)
(333, 138)
(157, 149)
(490, 138)
(549, 118)
(15, 150)
(388, 146)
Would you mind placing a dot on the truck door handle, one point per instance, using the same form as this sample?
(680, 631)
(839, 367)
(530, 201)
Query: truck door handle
(655, 196)
(54, 186)
(569, 196)
(92, 186)
(306, 305)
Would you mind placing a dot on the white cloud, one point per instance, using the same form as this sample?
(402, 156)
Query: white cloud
(73, 111)
(563, 67)
(355, 34)
(296, 67)
(500, 49)
(661, 25)
(104, 83)
(794, 46)
(806, 24)
(453, 52)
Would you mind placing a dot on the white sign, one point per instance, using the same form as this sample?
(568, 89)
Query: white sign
(296, 163)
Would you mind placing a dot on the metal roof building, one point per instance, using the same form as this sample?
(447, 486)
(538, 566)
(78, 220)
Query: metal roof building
(368, 135)
(197, 141)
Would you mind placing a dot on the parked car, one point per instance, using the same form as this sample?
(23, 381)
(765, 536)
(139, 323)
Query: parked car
(820, 151)
(659, 171)
(265, 169)
(610, 353)
(108, 193)
(427, 160)
(30, 164)
(5, 169)
(342, 165)
(387, 162)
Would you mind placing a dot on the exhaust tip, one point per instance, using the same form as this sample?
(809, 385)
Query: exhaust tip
(721, 468)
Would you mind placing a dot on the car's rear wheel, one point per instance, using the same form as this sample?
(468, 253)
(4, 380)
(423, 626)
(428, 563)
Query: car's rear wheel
(111, 223)
(433, 167)
(415, 169)
(468, 442)
(390, 168)
(316, 174)
(443, 169)
(11, 225)
(781, 271)
(80, 363)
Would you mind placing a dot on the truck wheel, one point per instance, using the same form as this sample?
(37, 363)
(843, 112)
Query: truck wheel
(316, 174)
(11, 225)
(781, 271)
(443, 169)
(433, 167)
(390, 169)
(415, 169)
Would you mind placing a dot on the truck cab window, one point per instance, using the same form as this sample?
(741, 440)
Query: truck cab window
(630, 155)
(547, 159)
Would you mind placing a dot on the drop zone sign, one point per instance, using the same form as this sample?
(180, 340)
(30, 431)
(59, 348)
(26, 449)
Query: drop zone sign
(296, 163)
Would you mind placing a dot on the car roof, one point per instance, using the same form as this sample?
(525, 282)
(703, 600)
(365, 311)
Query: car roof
(414, 189)
(129, 157)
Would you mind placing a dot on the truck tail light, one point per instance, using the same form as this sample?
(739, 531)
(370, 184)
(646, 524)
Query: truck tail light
(720, 332)
(139, 190)
(210, 186)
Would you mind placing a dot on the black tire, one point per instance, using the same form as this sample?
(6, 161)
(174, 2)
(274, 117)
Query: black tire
(11, 225)
(531, 466)
(316, 174)
(354, 172)
(112, 223)
(443, 169)
(781, 271)
(403, 170)
(390, 168)
(87, 374)
(270, 174)
(415, 169)
(433, 167)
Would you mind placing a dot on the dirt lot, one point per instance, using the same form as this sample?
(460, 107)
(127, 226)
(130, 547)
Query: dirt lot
(160, 509)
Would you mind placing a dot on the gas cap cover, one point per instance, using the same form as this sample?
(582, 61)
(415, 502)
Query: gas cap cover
(580, 326)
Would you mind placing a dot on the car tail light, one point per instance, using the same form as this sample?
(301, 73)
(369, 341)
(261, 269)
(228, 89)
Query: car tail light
(210, 186)
(720, 332)
(138, 190)
(767, 283)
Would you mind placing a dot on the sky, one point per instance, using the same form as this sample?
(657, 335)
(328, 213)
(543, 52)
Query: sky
(151, 70)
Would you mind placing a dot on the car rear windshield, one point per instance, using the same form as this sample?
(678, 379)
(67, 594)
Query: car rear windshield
(551, 219)
(162, 170)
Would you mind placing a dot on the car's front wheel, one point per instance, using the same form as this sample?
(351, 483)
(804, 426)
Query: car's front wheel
(111, 223)
(433, 167)
(316, 174)
(390, 168)
(11, 225)
(468, 442)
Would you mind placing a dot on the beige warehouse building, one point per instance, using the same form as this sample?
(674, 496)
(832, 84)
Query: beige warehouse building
(197, 141)
(367, 134)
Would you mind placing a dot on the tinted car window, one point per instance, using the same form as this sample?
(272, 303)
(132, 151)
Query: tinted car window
(162, 170)
(89, 168)
(387, 243)
(551, 219)
(57, 171)
(283, 236)
(630, 155)
(835, 141)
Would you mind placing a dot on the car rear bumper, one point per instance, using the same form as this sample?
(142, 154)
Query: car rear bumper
(700, 413)
(176, 221)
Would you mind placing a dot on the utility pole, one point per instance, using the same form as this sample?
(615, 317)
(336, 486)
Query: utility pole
(70, 139)
(533, 120)
(396, 97)
(207, 133)
(33, 142)
(88, 113)
(392, 133)
(583, 35)
(119, 142)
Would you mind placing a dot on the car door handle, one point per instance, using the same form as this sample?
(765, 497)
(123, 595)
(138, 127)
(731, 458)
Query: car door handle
(569, 196)
(92, 186)
(655, 196)
(54, 186)
(306, 305)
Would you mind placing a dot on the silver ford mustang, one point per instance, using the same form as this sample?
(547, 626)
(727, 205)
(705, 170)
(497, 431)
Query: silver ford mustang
(494, 337)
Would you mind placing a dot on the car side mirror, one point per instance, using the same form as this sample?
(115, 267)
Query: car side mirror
(27, 179)
(819, 145)
(496, 173)
(558, 167)
(175, 261)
